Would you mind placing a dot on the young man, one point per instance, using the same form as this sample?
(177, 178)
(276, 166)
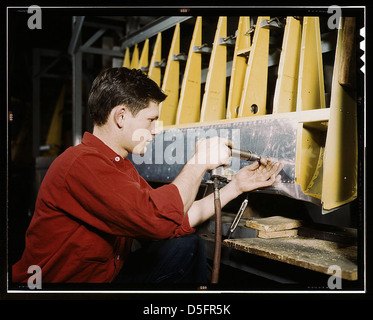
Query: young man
(92, 202)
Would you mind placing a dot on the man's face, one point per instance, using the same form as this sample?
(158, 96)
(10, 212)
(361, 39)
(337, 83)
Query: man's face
(141, 129)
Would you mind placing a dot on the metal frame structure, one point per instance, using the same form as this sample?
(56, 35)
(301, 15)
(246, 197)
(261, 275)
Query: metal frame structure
(77, 49)
(38, 74)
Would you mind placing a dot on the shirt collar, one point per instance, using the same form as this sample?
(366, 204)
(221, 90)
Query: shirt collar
(91, 140)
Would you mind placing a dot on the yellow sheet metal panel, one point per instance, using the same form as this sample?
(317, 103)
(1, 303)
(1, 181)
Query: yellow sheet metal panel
(285, 98)
(311, 93)
(314, 188)
(144, 58)
(154, 68)
(310, 149)
(126, 59)
(190, 96)
(170, 85)
(135, 57)
(213, 103)
(254, 96)
(239, 65)
(340, 160)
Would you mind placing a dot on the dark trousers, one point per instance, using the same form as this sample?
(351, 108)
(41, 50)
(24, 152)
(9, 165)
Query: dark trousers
(178, 260)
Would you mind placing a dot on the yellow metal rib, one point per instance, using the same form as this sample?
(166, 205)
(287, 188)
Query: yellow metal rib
(213, 103)
(285, 98)
(189, 105)
(253, 101)
(310, 96)
(311, 78)
(340, 160)
(170, 85)
(155, 70)
(54, 138)
(126, 60)
(239, 65)
(135, 57)
(144, 58)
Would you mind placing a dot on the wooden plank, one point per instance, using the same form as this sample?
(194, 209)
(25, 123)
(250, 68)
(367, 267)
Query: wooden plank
(347, 68)
(277, 234)
(314, 254)
(274, 223)
(244, 232)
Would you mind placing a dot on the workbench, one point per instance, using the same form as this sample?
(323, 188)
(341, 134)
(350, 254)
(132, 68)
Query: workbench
(316, 249)
(314, 254)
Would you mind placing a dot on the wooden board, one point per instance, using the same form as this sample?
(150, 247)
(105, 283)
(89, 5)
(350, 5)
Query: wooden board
(314, 254)
(277, 234)
(245, 232)
(275, 223)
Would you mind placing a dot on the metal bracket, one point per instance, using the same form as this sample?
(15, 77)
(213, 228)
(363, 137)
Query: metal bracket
(180, 57)
(222, 173)
(160, 64)
(228, 41)
(202, 49)
(273, 23)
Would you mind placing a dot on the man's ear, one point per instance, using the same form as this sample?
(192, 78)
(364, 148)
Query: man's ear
(120, 113)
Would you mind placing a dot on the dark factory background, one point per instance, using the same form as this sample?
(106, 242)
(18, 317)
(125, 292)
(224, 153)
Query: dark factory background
(22, 42)
(40, 56)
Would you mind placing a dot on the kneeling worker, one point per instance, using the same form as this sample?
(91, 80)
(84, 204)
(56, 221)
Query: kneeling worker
(92, 202)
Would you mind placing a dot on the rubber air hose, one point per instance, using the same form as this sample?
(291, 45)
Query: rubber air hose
(218, 233)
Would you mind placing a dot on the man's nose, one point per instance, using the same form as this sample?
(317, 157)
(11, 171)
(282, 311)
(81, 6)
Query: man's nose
(156, 127)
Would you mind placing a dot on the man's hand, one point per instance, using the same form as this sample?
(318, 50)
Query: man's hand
(209, 154)
(257, 175)
(254, 176)
(212, 153)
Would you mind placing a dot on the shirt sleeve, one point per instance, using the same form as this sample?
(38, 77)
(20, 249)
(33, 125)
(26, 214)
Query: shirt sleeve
(110, 199)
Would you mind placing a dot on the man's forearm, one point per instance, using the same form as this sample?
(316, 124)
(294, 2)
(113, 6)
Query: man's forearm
(203, 209)
(188, 182)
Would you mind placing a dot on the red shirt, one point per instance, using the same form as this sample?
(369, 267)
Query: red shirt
(90, 206)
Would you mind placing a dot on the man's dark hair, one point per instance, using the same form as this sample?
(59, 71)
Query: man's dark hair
(121, 86)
